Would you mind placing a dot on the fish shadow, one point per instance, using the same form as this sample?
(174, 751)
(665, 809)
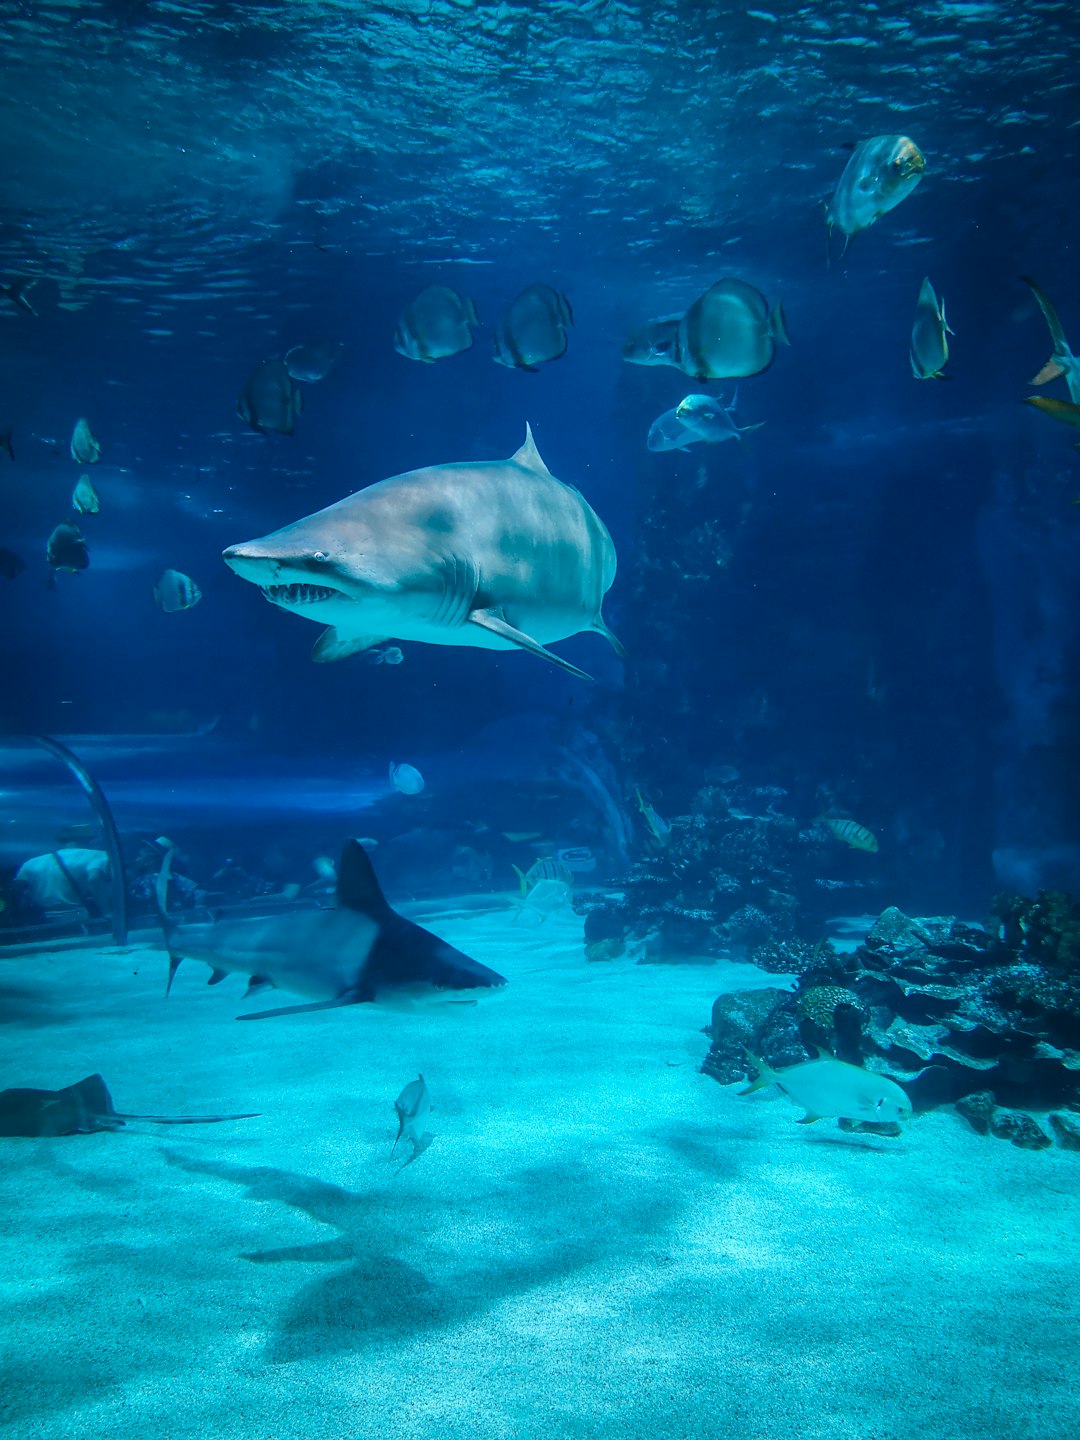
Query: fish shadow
(558, 1219)
(30, 1008)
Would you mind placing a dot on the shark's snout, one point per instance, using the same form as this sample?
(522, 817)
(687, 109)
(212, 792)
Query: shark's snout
(283, 580)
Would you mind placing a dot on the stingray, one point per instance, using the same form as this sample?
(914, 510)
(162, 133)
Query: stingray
(80, 1109)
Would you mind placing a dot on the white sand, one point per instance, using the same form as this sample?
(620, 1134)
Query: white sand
(599, 1241)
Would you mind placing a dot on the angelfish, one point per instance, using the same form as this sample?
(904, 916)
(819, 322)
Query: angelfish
(270, 399)
(175, 592)
(412, 1108)
(85, 450)
(929, 342)
(436, 324)
(730, 331)
(533, 328)
(830, 1087)
(881, 172)
(84, 498)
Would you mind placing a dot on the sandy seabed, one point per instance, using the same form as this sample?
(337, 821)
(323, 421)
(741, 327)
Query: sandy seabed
(598, 1241)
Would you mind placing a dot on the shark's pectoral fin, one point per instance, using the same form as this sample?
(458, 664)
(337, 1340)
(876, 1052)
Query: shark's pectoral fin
(1050, 371)
(601, 628)
(348, 997)
(256, 985)
(332, 646)
(174, 965)
(217, 975)
(497, 623)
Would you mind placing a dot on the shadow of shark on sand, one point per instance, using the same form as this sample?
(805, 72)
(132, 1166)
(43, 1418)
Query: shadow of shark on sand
(552, 1221)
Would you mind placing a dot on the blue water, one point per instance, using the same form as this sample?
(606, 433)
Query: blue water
(868, 607)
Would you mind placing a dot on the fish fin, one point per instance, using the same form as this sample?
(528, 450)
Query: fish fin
(523, 883)
(331, 646)
(778, 325)
(498, 625)
(357, 886)
(1050, 371)
(470, 311)
(257, 984)
(745, 429)
(217, 975)
(567, 315)
(766, 1077)
(528, 455)
(1049, 314)
(6, 445)
(823, 1054)
(189, 1119)
(174, 965)
(808, 1119)
(601, 628)
(948, 328)
(349, 998)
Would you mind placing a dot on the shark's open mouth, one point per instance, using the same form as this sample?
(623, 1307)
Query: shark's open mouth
(299, 594)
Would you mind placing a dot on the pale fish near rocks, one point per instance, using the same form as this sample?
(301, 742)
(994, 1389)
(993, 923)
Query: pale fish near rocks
(827, 1087)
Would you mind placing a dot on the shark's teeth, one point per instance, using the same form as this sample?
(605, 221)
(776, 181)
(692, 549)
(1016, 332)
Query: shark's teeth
(298, 594)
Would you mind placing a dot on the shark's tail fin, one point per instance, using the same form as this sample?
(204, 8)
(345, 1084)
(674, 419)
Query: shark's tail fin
(168, 927)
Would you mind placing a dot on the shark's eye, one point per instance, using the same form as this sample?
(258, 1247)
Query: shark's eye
(321, 556)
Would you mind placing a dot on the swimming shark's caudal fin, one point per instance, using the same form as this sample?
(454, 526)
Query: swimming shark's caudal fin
(495, 621)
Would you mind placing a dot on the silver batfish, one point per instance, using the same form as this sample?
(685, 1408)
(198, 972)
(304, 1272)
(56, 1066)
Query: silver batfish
(729, 331)
(496, 554)
(929, 336)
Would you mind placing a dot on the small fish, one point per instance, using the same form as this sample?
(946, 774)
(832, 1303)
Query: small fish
(435, 325)
(881, 172)
(546, 868)
(729, 332)
(325, 868)
(1062, 361)
(654, 343)
(269, 399)
(545, 898)
(84, 498)
(17, 292)
(389, 655)
(1063, 410)
(667, 432)
(710, 419)
(830, 1087)
(11, 564)
(175, 592)
(929, 342)
(406, 779)
(79, 833)
(5, 443)
(658, 826)
(851, 833)
(533, 329)
(516, 837)
(412, 1107)
(313, 361)
(85, 450)
(66, 550)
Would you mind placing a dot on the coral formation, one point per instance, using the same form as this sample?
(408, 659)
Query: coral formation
(986, 1018)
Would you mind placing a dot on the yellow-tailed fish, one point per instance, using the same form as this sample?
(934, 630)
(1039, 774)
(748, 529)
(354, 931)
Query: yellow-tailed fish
(658, 826)
(830, 1087)
(546, 868)
(1062, 361)
(881, 172)
(852, 833)
(1063, 410)
(929, 336)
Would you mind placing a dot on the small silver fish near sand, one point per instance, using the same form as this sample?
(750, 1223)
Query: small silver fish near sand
(827, 1087)
(412, 1108)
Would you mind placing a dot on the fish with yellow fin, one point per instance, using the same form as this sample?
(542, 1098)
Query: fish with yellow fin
(851, 833)
(1063, 410)
(1062, 363)
(828, 1087)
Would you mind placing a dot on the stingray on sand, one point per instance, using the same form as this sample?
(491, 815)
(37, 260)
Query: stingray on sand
(79, 1109)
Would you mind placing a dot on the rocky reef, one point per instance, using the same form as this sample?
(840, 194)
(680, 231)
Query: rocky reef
(734, 874)
(987, 1019)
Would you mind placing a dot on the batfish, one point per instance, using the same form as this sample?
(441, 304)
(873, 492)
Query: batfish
(496, 554)
(80, 1110)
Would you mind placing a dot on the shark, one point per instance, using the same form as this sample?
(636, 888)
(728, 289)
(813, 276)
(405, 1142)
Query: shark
(497, 554)
(360, 952)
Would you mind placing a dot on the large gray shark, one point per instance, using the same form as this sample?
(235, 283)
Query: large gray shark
(361, 952)
(496, 554)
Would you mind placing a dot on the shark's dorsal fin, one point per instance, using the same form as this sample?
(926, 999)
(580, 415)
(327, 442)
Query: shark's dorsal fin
(529, 456)
(357, 887)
